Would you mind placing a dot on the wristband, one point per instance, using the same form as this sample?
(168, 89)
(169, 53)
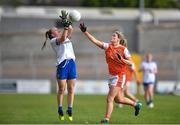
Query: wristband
(65, 28)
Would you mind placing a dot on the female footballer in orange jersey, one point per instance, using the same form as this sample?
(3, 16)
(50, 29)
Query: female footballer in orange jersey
(117, 57)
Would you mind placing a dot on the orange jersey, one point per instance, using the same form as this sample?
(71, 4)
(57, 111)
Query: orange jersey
(115, 65)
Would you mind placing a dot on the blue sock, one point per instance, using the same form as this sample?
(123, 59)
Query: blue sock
(60, 110)
(69, 111)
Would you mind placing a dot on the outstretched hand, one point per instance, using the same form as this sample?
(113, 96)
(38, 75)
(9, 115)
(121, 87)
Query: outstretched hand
(66, 23)
(82, 27)
(63, 15)
(64, 18)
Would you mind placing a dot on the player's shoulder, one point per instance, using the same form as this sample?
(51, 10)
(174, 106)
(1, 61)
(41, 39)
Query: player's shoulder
(154, 63)
(125, 48)
(53, 40)
(67, 39)
(105, 45)
(126, 51)
(144, 62)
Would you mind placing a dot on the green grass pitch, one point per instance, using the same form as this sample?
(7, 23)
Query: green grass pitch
(88, 109)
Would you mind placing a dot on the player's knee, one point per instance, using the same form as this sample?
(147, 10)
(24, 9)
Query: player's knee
(70, 90)
(121, 100)
(116, 101)
(60, 91)
(109, 99)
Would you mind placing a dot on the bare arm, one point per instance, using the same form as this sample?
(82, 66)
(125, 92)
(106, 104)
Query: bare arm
(65, 34)
(89, 36)
(70, 31)
(136, 76)
(94, 40)
(141, 69)
(154, 71)
(128, 61)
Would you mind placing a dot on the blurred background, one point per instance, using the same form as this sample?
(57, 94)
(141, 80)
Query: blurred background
(149, 26)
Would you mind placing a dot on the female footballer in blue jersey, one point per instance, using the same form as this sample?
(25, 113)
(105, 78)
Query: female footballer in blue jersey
(66, 67)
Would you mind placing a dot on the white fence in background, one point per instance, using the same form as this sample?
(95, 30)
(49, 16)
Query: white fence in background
(81, 87)
(101, 87)
(25, 86)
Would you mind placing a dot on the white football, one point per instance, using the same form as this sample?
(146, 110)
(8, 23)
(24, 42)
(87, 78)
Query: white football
(74, 16)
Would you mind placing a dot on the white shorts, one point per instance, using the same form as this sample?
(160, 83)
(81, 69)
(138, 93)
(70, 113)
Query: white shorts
(117, 80)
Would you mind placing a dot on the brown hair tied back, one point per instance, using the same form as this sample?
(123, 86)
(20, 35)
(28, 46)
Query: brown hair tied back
(124, 42)
(48, 34)
(120, 34)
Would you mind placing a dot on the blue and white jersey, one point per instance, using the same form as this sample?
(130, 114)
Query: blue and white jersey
(63, 50)
(148, 75)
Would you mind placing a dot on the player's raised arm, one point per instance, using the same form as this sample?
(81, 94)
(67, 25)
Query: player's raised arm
(67, 26)
(90, 37)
